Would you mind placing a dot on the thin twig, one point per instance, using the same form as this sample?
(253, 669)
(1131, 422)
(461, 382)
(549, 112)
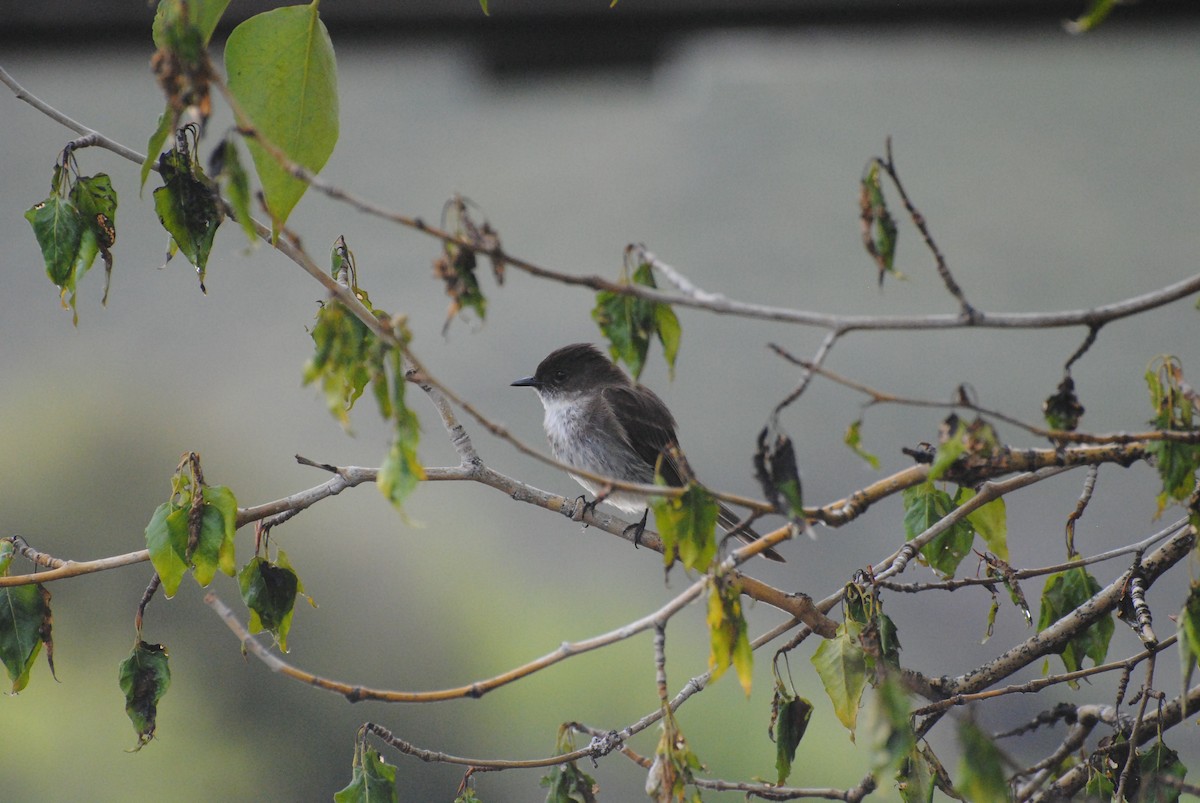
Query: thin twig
(969, 313)
(1037, 684)
(54, 114)
(477, 763)
(811, 367)
(1085, 496)
(1058, 435)
(1131, 755)
(72, 568)
(843, 323)
(1025, 574)
(355, 692)
(1056, 635)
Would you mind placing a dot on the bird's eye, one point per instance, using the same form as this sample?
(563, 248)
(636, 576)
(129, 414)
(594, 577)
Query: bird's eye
(559, 376)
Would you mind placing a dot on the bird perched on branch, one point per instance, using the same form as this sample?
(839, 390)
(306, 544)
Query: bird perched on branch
(598, 420)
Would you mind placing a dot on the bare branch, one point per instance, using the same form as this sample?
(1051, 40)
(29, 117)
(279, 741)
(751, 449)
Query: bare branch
(969, 312)
(70, 568)
(354, 692)
(1056, 635)
(476, 763)
(842, 323)
(1037, 684)
(1166, 716)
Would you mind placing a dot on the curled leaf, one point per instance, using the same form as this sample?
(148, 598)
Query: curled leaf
(144, 677)
(776, 471)
(629, 322)
(1062, 409)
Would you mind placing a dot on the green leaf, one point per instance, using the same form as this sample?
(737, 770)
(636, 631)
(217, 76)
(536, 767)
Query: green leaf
(59, 230)
(687, 525)
(1174, 409)
(282, 71)
(468, 796)
(776, 471)
(226, 168)
(566, 782)
(167, 540)
(1097, 12)
(203, 15)
(1152, 764)
(1189, 639)
(949, 450)
(879, 228)
(889, 641)
(96, 201)
(186, 207)
(669, 331)
(892, 737)
(924, 506)
(372, 780)
(989, 520)
(1064, 592)
(842, 667)
(71, 231)
(215, 547)
(269, 591)
(728, 635)
(981, 771)
(344, 349)
(864, 609)
(853, 439)
(1062, 409)
(789, 721)
(456, 267)
(166, 122)
(1099, 786)
(629, 322)
(401, 472)
(25, 625)
(674, 763)
(915, 778)
(144, 677)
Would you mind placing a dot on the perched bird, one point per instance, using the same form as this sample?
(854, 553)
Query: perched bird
(598, 420)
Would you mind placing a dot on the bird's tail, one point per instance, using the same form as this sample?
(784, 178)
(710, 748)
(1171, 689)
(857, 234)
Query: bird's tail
(731, 521)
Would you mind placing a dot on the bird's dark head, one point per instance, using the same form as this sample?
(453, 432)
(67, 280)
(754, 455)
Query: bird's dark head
(572, 370)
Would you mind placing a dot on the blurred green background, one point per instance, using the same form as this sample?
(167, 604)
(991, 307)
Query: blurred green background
(1055, 172)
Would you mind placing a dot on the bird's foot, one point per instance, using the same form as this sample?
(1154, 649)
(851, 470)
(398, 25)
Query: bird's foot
(638, 529)
(583, 507)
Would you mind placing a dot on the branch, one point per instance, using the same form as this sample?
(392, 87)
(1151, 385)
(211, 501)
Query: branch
(475, 763)
(70, 568)
(696, 298)
(1058, 435)
(1037, 684)
(974, 469)
(1165, 717)
(54, 114)
(1025, 574)
(1058, 634)
(988, 492)
(969, 313)
(355, 693)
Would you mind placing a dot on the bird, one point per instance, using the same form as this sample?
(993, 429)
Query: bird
(598, 420)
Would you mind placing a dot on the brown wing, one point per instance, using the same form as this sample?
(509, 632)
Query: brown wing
(648, 424)
(643, 414)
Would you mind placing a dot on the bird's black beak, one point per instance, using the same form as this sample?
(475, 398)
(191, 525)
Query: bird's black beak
(527, 382)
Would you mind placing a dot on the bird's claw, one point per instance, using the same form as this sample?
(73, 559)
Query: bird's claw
(583, 507)
(638, 529)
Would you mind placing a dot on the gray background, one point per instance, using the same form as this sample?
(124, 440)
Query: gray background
(1056, 173)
